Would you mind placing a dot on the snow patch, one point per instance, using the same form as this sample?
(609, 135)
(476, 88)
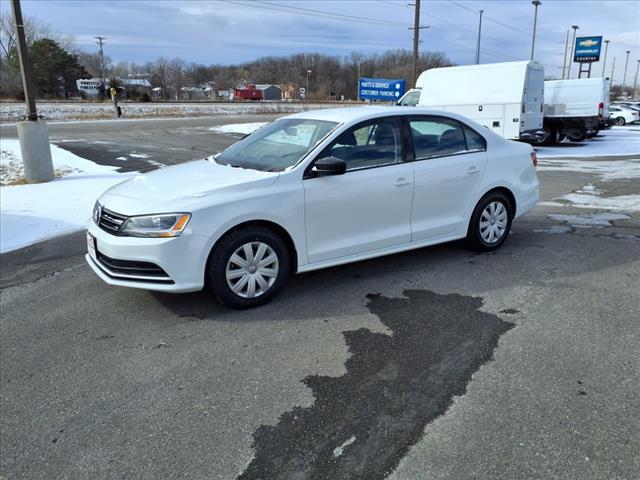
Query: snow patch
(588, 219)
(607, 170)
(614, 142)
(338, 451)
(239, 128)
(64, 162)
(140, 155)
(32, 213)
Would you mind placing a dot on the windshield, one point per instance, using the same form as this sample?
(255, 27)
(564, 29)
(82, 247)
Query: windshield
(276, 146)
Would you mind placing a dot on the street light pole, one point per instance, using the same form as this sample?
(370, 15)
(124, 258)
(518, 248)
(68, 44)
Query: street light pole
(604, 63)
(566, 47)
(573, 44)
(479, 33)
(635, 81)
(536, 3)
(624, 77)
(613, 68)
(308, 75)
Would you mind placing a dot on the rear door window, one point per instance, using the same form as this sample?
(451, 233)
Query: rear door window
(439, 136)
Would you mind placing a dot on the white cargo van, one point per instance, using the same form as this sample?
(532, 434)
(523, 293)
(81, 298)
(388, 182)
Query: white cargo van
(505, 97)
(574, 108)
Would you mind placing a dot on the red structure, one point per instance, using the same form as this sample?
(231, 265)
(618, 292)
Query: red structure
(249, 92)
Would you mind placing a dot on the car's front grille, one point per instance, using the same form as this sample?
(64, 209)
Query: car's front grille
(111, 221)
(133, 268)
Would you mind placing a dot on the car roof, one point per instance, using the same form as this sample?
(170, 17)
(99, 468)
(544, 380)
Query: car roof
(360, 113)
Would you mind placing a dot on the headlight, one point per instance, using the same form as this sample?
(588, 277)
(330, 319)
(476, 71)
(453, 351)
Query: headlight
(162, 225)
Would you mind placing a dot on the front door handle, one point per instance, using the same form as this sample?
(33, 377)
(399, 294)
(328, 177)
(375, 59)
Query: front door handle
(473, 170)
(402, 182)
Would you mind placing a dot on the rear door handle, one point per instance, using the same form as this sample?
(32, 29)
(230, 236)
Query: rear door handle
(473, 170)
(402, 182)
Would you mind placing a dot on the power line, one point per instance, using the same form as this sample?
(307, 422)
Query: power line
(308, 11)
(485, 16)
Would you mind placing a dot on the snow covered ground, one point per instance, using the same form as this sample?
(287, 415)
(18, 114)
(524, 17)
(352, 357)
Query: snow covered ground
(32, 213)
(614, 142)
(11, 112)
(240, 128)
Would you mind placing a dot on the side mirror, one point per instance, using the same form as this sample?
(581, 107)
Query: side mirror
(329, 166)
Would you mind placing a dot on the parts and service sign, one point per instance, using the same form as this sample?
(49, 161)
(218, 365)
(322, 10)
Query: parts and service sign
(384, 89)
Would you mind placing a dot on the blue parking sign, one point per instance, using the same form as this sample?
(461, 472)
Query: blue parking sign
(385, 89)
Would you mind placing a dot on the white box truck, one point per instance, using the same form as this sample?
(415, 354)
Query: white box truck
(505, 97)
(574, 109)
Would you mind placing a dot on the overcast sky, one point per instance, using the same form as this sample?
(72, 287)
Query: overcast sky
(235, 31)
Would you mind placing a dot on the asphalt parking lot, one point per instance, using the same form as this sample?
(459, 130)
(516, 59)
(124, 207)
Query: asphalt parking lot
(439, 363)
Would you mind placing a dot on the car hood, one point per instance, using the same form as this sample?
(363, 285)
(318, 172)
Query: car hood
(179, 187)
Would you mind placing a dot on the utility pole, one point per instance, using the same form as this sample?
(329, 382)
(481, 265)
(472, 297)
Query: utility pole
(358, 80)
(103, 84)
(416, 40)
(536, 3)
(624, 77)
(635, 81)
(566, 47)
(479, 33)
(308, 75)
(606, 49)
(573, 44)
(33, 134)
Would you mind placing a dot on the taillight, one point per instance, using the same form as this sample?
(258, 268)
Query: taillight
(534, 158)
(601, 109)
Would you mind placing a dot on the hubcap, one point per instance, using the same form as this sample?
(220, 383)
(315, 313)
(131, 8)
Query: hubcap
(252, 269)
(493, 222)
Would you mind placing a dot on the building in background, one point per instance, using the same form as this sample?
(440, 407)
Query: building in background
(270, 92)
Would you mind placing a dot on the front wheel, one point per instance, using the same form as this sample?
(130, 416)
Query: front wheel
(490, 223)
(248, 267)
(620, 121)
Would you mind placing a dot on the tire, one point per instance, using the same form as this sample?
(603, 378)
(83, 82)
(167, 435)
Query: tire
(479, 237)
(576, 135)
(620, 121)
(561, 137)
(549, 138)
(261, 283)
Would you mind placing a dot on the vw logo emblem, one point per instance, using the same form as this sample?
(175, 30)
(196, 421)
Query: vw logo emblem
(97, 213)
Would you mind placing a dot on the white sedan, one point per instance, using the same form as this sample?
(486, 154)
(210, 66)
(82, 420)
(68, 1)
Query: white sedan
(622, 115)
(311, 191)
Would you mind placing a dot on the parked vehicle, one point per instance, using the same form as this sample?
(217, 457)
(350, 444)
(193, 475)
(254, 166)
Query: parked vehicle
(505, 97)
(622, 115)
(574, 108)
(311, 191)
(410, 99)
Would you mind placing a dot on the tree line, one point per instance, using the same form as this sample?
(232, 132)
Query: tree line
(57, 64)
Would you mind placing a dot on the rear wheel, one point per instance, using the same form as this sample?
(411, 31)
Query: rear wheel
(490, 223)
(248, 267)
(576, 135)
(548, 138)
(620, 121)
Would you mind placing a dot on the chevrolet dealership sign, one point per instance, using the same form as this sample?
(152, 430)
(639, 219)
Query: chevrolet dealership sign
(587, 49)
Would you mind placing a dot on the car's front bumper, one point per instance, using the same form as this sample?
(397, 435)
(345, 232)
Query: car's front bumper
(181, 261)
